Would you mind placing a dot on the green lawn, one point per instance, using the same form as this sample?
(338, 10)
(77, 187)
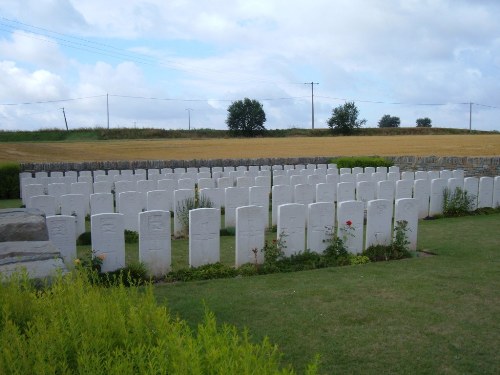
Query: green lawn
(431, 315)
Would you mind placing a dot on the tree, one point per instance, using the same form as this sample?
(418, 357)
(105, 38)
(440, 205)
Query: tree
(424, 122)
(345, 119)
(388, 121)
(246, 117)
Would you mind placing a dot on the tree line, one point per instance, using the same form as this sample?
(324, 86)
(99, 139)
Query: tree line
(247, 117)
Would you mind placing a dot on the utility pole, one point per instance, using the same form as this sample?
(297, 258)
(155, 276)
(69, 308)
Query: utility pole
(312, 100)
(107, 107)
(470, 117)
(189, 117)
(65, 121)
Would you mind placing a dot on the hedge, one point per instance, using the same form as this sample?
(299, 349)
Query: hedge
(9, 180)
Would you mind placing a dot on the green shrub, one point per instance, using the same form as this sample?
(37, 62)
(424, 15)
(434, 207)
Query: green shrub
(457, 203)
(9, 180)
(398, 249)
(229, 231)
(188, 204)
(131, 236)
(205, 272)
(361, 161)
(74, 327)
(84, 239)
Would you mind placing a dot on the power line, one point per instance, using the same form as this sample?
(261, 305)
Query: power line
(53, 101)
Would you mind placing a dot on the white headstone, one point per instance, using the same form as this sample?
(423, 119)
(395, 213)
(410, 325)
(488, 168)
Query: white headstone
(303, 194)
(345, 191)
(143, 186)
(281, 180)
(421, 192)
(62, 234)
(458, 173)
(394, 168)
(204, 183)
(167, 184)
(485, 198)
(130, 206)
(436, 198)
(347, 177)
(454, 184)
(332, 179)
(204, 236)
(382, 170)
(365, 191)
(378, 222)
(234, 197)
(386, 190)
(326, 193)
(154, 242)
(407, 175)
(160, 200)
(245, 181)
(496, 192)
(250, 233)
(281, 194)
(101, 203)
(320, 225)
(421, 175)
(350, 216)
(393, 176)
(345, 171)
(315, 179)
(205, 174)
(446, 174)
(45, 203)
(404, 189)
(259, 196)
(113, 172)
(123, 186)
(471, 186)
(263, 181)
(215, 195)
(180, 197)
(103, 187)
(108, 240)
(291, 228)
(297, 179)
(56, 190)
(407, 210)
(185, 183)
(378, 176)
(85, 189)
(75, 205)
(224, 182)
(432, 175)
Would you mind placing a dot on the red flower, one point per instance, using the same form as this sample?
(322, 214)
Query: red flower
(348, 223)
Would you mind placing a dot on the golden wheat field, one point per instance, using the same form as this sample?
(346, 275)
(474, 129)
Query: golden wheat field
(185, 149)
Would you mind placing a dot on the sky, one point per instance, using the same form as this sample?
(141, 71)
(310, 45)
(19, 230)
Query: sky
(174, 63)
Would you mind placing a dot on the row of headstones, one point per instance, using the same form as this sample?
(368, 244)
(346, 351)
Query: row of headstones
(204, 232)
(429, 194)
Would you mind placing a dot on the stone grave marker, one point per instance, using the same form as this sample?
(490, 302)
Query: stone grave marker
(332, 179)
(406, 209)
(303, 194)
(167, 184)
(204, 236)
(108, 240)
(185, 183)
(432, 175)
(446, 174)
(471, 186)
(454, 184)
(404, 189)
(62, 234)
(130, 206)
(281, 194)
(154, 242)
(85, 189)
(350, 216)
(159, 200)
(216, 196)
(291, 228)
(345, 191)
(281, 180)
(204, 183)
(347, 177)
(378, 222)
(297, 179)
(234, 197)
(75, 205)
(250, 233)
(326, 192)
(224, 182)
(86, 179)
(408, 175)
(365, 191)
(143, 186)
(44, 203)
(101, 203)
(394, 169)
(259, 196)
(421, 175)
(244, 182)
(436, 198)
(320, 225)
(382, 170)
(56, 190)
(315, 179)
(103, 187)
(421, 192)
(485, 197)
(393, 176)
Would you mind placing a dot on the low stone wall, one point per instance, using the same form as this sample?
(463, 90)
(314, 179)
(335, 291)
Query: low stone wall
(473, 166)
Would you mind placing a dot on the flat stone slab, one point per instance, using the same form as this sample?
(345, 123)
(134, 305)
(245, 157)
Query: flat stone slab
(40, 259)
(22, 224)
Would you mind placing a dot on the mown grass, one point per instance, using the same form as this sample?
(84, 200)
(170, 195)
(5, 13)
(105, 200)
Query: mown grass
(426, 315)
(237, 148)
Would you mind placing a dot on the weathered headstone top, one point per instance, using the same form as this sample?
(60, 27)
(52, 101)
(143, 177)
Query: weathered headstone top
(22, 224)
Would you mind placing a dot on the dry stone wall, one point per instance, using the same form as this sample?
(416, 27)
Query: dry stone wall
(473, 166)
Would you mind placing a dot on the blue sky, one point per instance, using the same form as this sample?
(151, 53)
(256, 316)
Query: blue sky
(431, 57)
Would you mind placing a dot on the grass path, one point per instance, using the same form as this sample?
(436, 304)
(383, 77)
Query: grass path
(438, 145)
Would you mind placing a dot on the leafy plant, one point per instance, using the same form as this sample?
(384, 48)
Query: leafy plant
(188, 204)
(246, 118)
(458, 202)
(84, 239)
(131, 236)
(208, 271)
(398, 249)
(9, 177)
(336, 252)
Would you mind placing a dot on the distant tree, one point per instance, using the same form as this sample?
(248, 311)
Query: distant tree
(388, 121)
(424, 122)
(345, 119)
(246, 118)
